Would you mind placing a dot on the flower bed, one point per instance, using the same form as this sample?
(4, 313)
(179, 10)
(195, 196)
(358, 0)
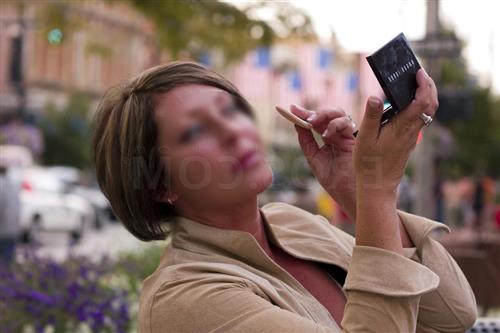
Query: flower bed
(76, 295)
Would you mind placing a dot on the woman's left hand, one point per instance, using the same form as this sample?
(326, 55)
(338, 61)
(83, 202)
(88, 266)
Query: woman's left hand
(331, 164)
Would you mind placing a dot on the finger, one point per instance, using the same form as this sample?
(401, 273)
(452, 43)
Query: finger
(321, 118)
(318, 119)
(424, 102)
(341, 143)
(307, 143)
(325, 115)
(434, 98)
(338, 127)
(423, 94)
(345, 145)
(370, 126)
(301, 112)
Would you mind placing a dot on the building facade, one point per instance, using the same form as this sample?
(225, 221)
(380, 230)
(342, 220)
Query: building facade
(50, 48)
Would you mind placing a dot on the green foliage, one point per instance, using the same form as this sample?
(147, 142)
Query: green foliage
(288, 22)
(99, 49)
(136, 266)
(66, 133)
(290, 168)
(187, 28)
(454, 72)
(197, 26)
(130, 269)
(478, 139)
(56, 15)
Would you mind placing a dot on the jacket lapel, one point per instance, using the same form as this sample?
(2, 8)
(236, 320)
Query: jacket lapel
(296, 231)
(307, 236)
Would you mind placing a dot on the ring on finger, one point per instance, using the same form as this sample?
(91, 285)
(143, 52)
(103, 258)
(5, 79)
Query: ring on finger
(426, 119)
(352, 121)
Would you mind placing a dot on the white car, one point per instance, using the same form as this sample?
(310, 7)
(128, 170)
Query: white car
(72, 177)
(46, 204)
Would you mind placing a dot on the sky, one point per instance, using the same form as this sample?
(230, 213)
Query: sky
(366, 25)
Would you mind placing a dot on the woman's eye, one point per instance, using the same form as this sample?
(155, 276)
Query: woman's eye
(190, 133)
(231, 109)
(197, 129)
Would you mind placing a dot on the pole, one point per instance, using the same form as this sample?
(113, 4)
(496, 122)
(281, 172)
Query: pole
(425, 176)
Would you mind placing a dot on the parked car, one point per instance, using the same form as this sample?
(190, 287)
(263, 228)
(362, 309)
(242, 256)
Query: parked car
(15, 156)
(72, 177)
(103, 213)
(47, 204)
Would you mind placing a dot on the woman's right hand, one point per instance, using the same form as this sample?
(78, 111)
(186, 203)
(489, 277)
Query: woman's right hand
(381, 153)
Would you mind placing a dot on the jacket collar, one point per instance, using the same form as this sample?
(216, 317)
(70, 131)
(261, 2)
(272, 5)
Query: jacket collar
(296, 231)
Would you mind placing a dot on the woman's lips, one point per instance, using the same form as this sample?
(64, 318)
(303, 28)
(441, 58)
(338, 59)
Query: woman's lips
(246, 161)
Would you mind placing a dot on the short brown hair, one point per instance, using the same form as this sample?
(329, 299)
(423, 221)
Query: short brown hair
(125, 144)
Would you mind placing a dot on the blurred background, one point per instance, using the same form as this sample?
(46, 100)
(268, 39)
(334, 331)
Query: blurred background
(71, 267)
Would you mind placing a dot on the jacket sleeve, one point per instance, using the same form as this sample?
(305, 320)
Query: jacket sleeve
(214, 304)
(452, 306)
(384, 290)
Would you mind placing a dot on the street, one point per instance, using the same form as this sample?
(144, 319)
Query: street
(111, 240)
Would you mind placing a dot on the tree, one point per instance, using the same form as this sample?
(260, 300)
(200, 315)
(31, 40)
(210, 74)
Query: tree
(477, 136)
(196, 27)
(66, 133)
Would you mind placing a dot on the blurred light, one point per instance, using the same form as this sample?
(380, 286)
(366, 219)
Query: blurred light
(26, 186)
(55, 36)
(420, 137)
(256, 32)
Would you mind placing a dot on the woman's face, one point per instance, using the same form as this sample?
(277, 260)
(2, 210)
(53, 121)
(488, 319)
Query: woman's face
(210, 147)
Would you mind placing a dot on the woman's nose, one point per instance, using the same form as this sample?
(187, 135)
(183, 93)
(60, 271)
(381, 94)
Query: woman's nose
(228, 130)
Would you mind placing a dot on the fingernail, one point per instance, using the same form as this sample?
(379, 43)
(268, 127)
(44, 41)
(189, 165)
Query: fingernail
(325, 133)
(374, 102)
(312, 117)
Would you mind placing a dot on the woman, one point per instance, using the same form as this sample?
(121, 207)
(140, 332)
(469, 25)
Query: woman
(177, 149)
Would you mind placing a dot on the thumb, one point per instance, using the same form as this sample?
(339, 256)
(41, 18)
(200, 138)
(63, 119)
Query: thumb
(370, 125)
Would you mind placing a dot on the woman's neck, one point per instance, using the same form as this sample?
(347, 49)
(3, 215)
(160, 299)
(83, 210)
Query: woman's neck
(245, 217)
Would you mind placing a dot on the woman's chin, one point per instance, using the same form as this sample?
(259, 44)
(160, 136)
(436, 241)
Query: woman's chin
(261, 180)
(248, 183)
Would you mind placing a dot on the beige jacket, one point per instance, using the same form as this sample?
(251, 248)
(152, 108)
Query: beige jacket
(217, 280)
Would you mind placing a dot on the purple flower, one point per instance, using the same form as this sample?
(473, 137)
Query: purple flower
(42, 292)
